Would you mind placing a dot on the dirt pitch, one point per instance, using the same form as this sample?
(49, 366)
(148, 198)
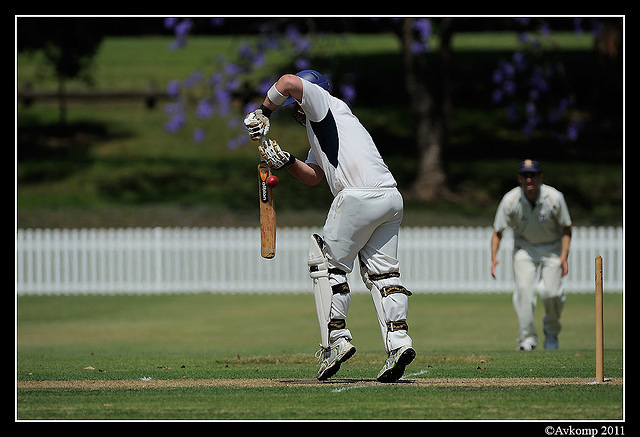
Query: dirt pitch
(136, 384)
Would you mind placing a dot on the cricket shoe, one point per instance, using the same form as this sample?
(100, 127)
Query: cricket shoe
(527, 345)
(332, 357)
(551, 342)
(397, 360)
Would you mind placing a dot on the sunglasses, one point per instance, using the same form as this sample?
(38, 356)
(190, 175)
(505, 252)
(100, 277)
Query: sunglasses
(529, 175)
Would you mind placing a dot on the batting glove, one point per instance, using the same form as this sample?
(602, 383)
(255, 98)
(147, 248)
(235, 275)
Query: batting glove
(257, 124)
(273, 155)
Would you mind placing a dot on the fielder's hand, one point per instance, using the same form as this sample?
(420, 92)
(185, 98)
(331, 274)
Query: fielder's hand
(273, 155)
(257, 124)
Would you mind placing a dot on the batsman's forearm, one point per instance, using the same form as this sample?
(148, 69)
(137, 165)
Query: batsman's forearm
(269, 105)
(308, 174)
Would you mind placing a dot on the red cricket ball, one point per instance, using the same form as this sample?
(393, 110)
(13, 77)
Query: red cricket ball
(272, 181)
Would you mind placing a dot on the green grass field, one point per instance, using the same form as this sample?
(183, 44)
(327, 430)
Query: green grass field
(251, 357)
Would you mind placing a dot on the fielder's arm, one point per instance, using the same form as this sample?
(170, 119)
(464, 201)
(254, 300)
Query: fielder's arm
(564, 251)
(495, 245)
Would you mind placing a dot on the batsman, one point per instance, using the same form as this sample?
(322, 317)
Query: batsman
(362, 223)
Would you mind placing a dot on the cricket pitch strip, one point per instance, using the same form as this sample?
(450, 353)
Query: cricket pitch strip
(138, 384)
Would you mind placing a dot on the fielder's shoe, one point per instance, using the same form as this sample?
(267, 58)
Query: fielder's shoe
(527, 345)
(551, 342)
(397, 360)
(331, 358)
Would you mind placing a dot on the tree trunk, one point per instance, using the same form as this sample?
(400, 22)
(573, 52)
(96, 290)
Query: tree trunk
(431, 180)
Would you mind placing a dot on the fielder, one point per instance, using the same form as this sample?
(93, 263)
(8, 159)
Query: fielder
(362, 223)
(541, 226)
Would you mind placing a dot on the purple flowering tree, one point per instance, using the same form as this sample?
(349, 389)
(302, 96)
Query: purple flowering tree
(224, 86)
(203, 96)
(533, 88)
(530, 85)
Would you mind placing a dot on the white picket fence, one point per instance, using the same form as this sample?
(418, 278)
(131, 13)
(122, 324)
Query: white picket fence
(227, 260)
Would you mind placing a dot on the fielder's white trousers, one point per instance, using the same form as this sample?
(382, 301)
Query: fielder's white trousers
(542, 272)
(363, 224)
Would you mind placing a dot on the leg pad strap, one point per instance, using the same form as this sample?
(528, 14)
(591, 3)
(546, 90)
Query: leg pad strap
(386, 291)
(337, 324)
(340, 288)
(397, 326)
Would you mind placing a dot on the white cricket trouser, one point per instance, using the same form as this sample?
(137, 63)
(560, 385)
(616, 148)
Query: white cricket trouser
(364, 224)
(532, 271)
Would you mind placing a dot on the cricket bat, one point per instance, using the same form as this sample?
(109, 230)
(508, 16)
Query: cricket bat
(267, 213)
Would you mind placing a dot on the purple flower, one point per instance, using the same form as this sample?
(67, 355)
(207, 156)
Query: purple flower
(173, 108)
(539, 81)
(204, 109)
(250, 107)
(519, 61)
(223, 100)
(181, 30)
(259, 60)
(496, 96)
(198, 135)
(264, 85)
(292, 33)
(183, 27)
(423, 27)
(418, 47)
(348, 93)
(508, 68)
(302, 64)
(509, 87)
(268, 43)
(170, 22)
(545, 29)
(215, 79)
(175, 123)
(573, 129)
(531, 108)
(232, 69)
(498, 76)
(193, 80)
(173, 88)
(245, 52)
(236, 142)
(303, 45)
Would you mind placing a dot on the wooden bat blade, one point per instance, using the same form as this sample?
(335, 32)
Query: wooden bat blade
(267, 213)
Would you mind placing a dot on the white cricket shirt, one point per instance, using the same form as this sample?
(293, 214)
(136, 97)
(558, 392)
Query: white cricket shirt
(538, 226)
(340, 145)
